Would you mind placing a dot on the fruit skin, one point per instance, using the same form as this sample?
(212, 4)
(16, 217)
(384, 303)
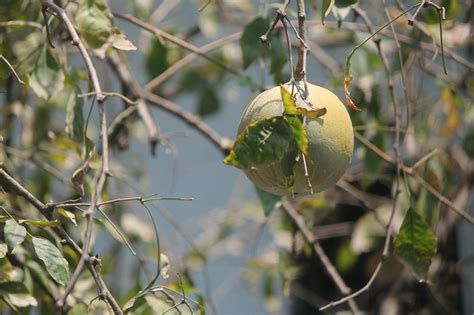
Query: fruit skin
(331, 142)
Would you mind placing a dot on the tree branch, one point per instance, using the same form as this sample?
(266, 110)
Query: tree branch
(44, 209)
(104, 168)
(311, 239)
(221, 143)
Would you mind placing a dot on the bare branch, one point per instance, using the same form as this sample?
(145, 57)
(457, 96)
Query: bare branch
(175, 67)
(222, 143)
(12, 69)
(104, 168)
(311, 239)
(173, 39)
(300, 71)
(44, 208)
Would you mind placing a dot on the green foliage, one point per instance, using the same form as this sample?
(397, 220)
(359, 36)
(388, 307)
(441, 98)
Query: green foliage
(47, 78)
(94, 22)
(44, 145)
(415, 244)
(267, 200)
(291, 114)
(17, 294)
(157, 59)
(326, 9)
(431, 16)
(203, 83)
(252, 49)
(56, 265)
(75, 116)
(250, 44)
(468, 144)
(261, 143)
(14, 233)
(288, 163)
(345, 3)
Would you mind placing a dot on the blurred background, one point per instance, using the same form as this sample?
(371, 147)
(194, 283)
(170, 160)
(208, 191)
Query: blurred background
(222, 248)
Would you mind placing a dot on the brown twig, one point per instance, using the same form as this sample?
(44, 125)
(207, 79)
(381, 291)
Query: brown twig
(175, 67)
(17, 77)
(173, 39)
(409, 171)
(223, 144)
(104, 168)
(46, 24)
(300, 71)
(108, 94)
(311, 239)
(280, 14)
(402, 38)
(44, 209)
(398, 163)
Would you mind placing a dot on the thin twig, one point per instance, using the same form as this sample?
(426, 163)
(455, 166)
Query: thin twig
(178, 65)
(409, 171)
(107, 94)
(311, 239)
(130, 85)
(43, 209)
(46, 24)
(300, 71)
(402, 70)
(12, 69)
(104, 168)
(398, 164)
(223, 144)
(173, 39)
(117, 200)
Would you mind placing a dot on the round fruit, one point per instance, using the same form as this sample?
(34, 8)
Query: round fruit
(330, 142)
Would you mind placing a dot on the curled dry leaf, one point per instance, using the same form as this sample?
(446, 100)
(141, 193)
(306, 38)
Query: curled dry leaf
(349, 102)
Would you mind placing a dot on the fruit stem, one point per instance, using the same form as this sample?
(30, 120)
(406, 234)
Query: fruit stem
(300, 71)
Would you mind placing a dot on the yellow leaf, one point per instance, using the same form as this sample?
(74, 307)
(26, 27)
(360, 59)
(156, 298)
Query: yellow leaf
(288, 101)
(312, 113)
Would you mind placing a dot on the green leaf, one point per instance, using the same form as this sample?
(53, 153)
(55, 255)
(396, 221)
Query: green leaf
(269, 201)
(3, 250)
(17, 294)
(278, 59)
(208, 101)
(250, 43)
(14, 233)
(75, 117)
(52, 258)
(415, 244)
(327, 7)
(47, 77)
(156, 59)
(261, 143)
(345, 3)
(288, 102)
(41, 277)
(468, 143)
(294, 121)
(41, 224)
(299, 132)
(94, 23)
(287, 166)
